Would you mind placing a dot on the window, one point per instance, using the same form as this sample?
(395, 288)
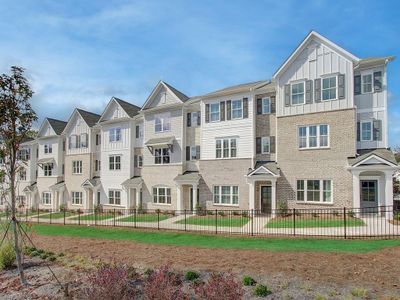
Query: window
(24, 154)
(214, 112)
(297, 93)
(162, 195)
(314, 136)
(194, 118)
(314, 191)
(21, 200)
(98, 139)
(97, 165)
(22, 174)
(115, 162)
(47, 169)
(76, 198)
(73, 142)
(237, 109)
(162, 123)
(46, 198)
(368, 190)
(84, 140)
(161, 156)
(114, 197)
(265, 145)
(115, 134)
(140, 161)
(366, 131)
(226, 194)
(266, 105)
(329, 88)
(77, 167)
(48, 148)
(194, 152)
(139, 132)
(366, 83)
(226, 148)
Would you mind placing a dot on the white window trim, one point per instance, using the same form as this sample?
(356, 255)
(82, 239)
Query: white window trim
(158, 195)
(50, 170)
(265, 138)
(193, 148)
(304, 92)
(269, 105)
(219, 112)
(321, 192)
(49, 148)
(80, 198)
(229, 147)
(241, 109)
(77, 169)
(162, 156)
(49, 196)
(114, 163)
(220, 195)
(165, 119)
(120, 196)
(194, 124)
(361, 131)
(337, 87)
(115, 135)
(308, 135)
(140, 161)
(372, 82)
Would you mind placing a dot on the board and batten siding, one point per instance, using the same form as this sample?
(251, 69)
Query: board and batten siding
(315, 61)
(57, 154)
(242, 129)
(77, 127)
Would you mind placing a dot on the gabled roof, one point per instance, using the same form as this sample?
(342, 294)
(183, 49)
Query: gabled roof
(179, 95)
(383, 154)
(188, 176)
(269, 166)
(130, 109)
(303, 44)
(57, 125)
(89, 117)
(134, 181)
(239, 88)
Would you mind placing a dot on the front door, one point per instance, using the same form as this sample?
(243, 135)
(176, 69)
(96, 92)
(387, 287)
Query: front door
(369, 193)
(266, 199)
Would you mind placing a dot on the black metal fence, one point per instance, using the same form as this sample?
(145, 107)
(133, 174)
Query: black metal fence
(372, 222)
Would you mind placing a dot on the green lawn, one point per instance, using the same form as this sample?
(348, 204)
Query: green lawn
(56, 215)
(143, 218)
(215, 241)
(233, 221)
(312, 222)
(93, 217)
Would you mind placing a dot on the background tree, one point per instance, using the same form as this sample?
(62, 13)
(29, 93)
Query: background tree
(16, 119)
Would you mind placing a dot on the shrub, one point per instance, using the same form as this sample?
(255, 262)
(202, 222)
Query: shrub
(210, 212)
(397, 216)
(221, 213)
(351, 214)
(261, 291)
(44, 255)
(163, 284)
(40, 251)
(359, 292)
(109, 283)
(61, 254)
(245, 214)
(283, 210)
(148, 272)
(247, 280)
(97, 209)
(191, 275)
(335, 213)
(7, 256)
(236, 213)
(52, 258)
(219, 286)
(34, 253)
(314, 215)
(63, 207)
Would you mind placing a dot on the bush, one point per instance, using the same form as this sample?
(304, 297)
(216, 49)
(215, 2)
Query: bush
(191, 275)
(61, 254)
(52, 258)
(335, 213)
(109, 283)
(163, 284)
(210, 212)
(236, 213)
(247, 281)
(261, 291)
(283, 210)
(7, 256)
(314, 215)
(34, 253)
(148, 272)
(219, 286)
(245, 214)
(63, 207)
(44, 255)
(351, 214)
(221, 213)
(397, 216)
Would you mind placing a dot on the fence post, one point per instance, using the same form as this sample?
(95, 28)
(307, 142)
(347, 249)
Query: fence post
(158, 219)
(185, 218)
(114, 218)
(294, 222)
(252, 222)
(134, 217)
(79, 217)
(95, 217)
(345, 221)
(38, 215)
(50, 214)
(64, 215)
(216, 221)
(26, 215)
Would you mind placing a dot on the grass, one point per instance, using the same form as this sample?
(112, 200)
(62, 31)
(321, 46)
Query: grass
(233, 221)
(308, 222)
(93, 217)
(56, 215)
(215, 241)
(143, 218)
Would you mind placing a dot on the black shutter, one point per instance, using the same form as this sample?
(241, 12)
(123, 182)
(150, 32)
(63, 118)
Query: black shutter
(228, 109)
(341, 86)
(357, 85)
(198, 118)
(287, 94)
(137, 132)
(309, 91)
(258, 145)
(317, 89)
(135, 161)
(245, 108)
(259, 106)
(222, 111)
(378, 81)
(273, 104)
(377, 124)
(207, 113)
(69, 142)
(189, 119)
(187, 153)
(197, 152)
(272, 144)
(358, 132)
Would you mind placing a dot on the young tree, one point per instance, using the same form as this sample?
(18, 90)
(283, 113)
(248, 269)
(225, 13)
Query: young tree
(16, 118)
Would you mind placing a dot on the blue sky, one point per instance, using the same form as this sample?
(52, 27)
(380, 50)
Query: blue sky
(81, 53)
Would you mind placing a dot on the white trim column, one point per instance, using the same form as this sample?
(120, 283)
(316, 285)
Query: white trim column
(356, 189)
(389, 193)
(137, 199)
(252, 197)
(179, 197)
(194, 196)
(273, 197)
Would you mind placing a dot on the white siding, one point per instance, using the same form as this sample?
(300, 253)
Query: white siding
(57, 154)
(162, 97)
(77, 127)
(114, 111)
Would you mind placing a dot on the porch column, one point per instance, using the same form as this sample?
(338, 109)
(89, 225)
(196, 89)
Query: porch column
(179, 198)
(356, 189)
(87, 204)
(273, 197)
(251, 195)
(194, 196)
(137, 204)
(388, 194)
(128, 197)
(53, 200)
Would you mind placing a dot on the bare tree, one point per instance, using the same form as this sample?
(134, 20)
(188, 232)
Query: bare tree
(16, 118)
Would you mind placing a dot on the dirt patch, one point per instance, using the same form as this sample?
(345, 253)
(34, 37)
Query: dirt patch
(376, 270)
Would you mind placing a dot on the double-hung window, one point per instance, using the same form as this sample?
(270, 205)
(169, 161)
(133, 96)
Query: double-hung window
(265, 145)
(237, 109)
(46, 198)
(84, 139)
(366, 83)
(366, 131)
(115, 135)
(98, 139)
(48, 148)
(22, 174)
(266, 105)
(162, 195)
(226, 194)
(115, 162)
(314, 190)
(77, 167)
(226, 148)
(297, 93)
(162, 123)
(329, 86)
(314, 136)
(214, 112)
(161, 156)
(47, 169)
(194, 119)
(76, 198)
(97, 165)
(114, 197)
(194, 153)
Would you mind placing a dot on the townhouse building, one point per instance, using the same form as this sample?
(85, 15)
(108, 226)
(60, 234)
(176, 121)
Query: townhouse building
(314, 136)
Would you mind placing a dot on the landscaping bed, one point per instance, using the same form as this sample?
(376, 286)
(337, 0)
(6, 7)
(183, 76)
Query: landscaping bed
(95, 217)
(56, 215)
(144, 218)
(309, 221)
(215, 220)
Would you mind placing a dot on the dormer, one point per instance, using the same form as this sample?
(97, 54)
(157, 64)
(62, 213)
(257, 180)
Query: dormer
(118, 109)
